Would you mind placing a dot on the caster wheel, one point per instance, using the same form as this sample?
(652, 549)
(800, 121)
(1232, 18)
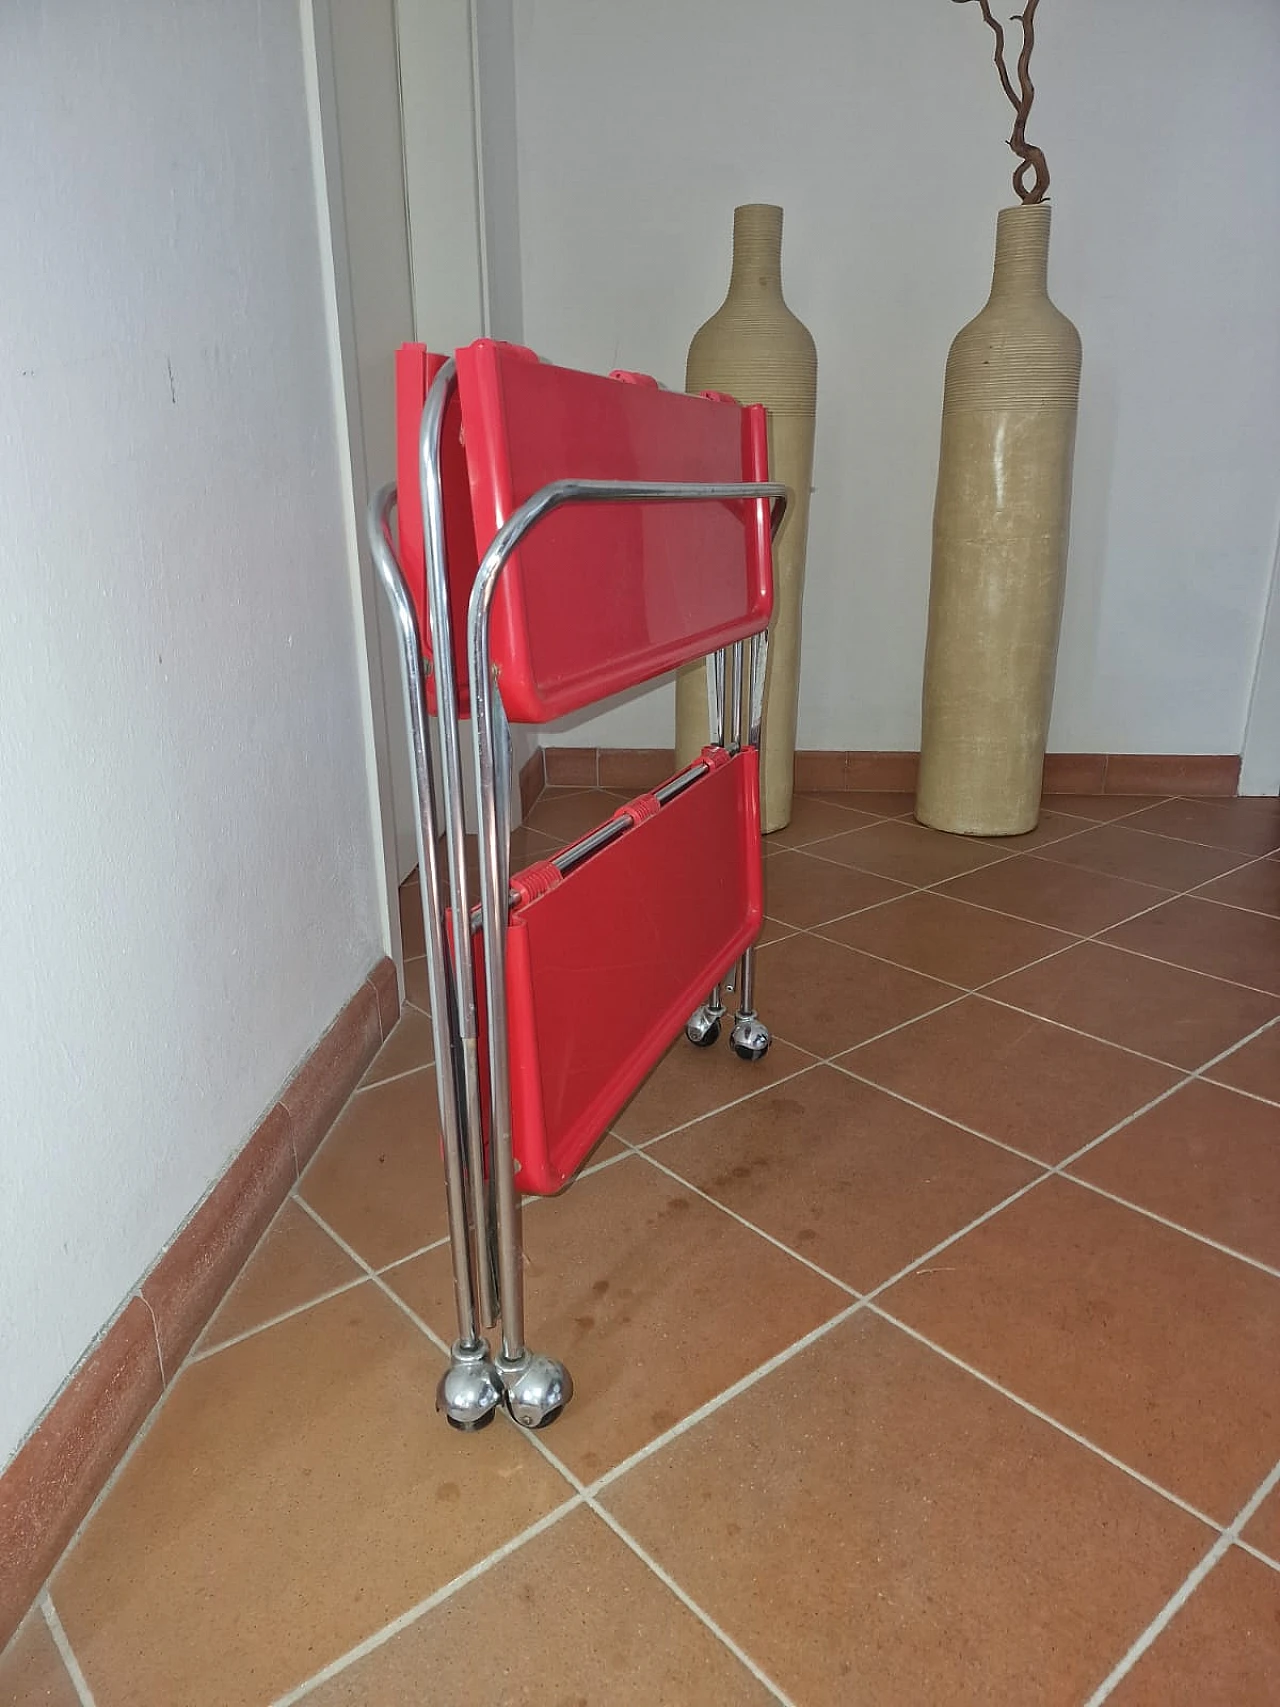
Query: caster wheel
(537, 1388)
(749, 1038)
(704, 1027)
(471, 1427)
(470, 1390)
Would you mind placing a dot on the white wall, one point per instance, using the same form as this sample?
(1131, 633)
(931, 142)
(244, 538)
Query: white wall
(189, 877)
(881, 129)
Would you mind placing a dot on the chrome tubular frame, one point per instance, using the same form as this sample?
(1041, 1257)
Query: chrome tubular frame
(537, 1387)
(470, 1391)
(454, 813)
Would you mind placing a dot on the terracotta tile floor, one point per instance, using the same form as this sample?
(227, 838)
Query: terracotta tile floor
(933, 1360)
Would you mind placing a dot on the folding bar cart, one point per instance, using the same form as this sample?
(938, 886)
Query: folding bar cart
(563, 537)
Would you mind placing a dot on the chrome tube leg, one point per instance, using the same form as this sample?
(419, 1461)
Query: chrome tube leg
(703, 1028)
(470, 1391)
(750, 1037)
(537, 1387)
(453, 809)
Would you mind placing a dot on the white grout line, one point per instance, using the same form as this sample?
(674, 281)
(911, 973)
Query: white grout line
(380, 1637)
(1174, 1226)
(1043, 1416)
(155, 1328)
(581, 1495)
(726, 1395)
(751, 1226)
(1179, 1599)
(640, 1145)
(686, 1599)
(63, 1645)
(376, 1276)
(391, 1078)
(1258, 1554)
(200, 1353)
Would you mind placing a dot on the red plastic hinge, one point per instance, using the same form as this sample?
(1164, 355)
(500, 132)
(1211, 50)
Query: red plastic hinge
(537, 880)
(625, 377)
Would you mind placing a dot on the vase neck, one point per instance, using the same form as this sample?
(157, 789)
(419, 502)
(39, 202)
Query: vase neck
(1022, 252)
(757, 250)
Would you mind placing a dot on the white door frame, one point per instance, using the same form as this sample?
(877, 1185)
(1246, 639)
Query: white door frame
(1260, 762)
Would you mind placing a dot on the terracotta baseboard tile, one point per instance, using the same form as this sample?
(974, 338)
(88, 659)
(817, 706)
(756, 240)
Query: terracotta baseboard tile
(58, 1473)
(888, 773)
(1214, 774)
(820, 773)
(571, 767)
(325, 1080)
(533, 779)
(834, 772)
(634, 769)
(1075, 773)
(386, 988)
(190, 1280)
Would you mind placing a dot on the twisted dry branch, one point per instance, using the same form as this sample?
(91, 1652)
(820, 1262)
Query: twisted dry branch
(1031, 159)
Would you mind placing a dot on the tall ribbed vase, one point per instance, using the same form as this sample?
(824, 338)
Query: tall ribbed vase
(756, 350)
(999, 546)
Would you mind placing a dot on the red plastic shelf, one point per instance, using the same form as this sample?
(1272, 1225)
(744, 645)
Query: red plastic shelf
(605, 965)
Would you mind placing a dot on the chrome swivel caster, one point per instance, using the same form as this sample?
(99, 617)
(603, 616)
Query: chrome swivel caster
(470, 1390)
(750, 1037)
(704, 1027)
(537, 1388)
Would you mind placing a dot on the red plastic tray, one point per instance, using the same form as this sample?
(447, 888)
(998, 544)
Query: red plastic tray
(602, 597)
(605, 965)
(416, 368)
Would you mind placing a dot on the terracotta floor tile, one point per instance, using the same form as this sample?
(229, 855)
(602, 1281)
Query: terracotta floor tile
(1222, 941)
(908, 852)
(412, 932)
(1050, 893)
(802, 891)
(1015, 1078)
(654, 1299)
(1247, 826)
(1053, 827)
(1263, 1529)
(773, 930)
(1155, 1347)
(1222, 1649)
(947, 939)
(296, 1492)
(1255, 1067)
(825, 998)
(1205, 1158)
(853, 1179)
(565, 814)
(688, 1083)
(878, 802)
(813, 817)
(378, 1179)
(1159, 1010)
(1121, 850)
(409, 1046)
(1255, 886)
(31, 1670)
(1102, 808)
(296, 1262)
(878, 1528)
(416, 988)
(582, 1621)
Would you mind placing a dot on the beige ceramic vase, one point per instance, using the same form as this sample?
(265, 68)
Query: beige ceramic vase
(756, 350)
(999, 546)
